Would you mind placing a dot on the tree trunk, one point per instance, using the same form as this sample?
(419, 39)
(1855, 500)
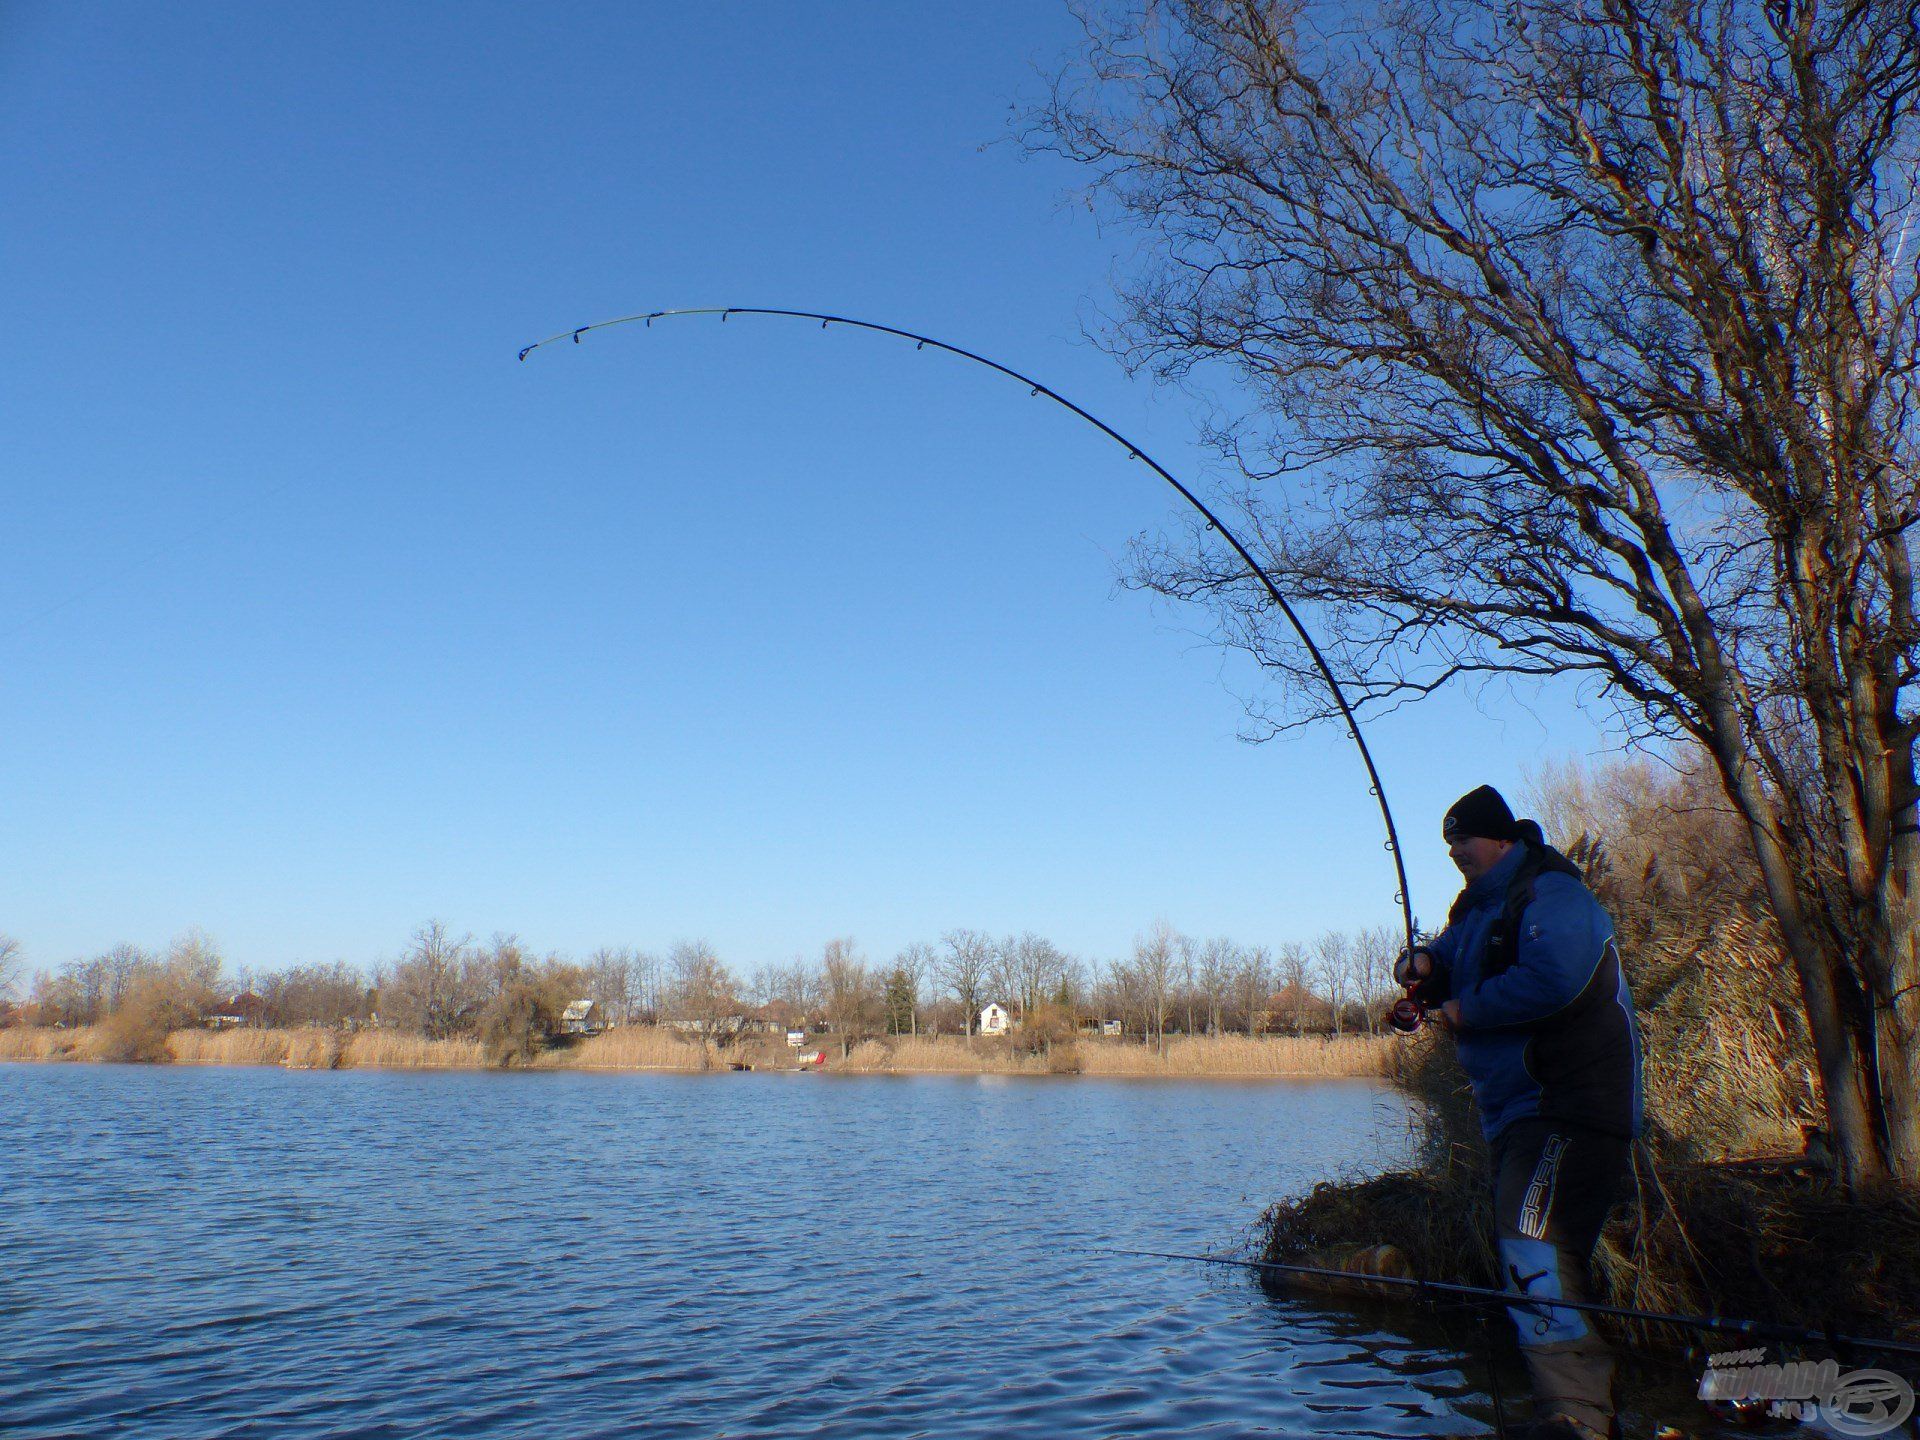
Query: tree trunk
(1896, 1009)
(1857, 1150)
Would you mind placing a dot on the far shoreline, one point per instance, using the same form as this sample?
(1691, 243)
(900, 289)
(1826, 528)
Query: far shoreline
(652, 1050)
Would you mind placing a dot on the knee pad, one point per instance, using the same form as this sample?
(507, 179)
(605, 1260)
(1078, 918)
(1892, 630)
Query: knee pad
(1533, 1268)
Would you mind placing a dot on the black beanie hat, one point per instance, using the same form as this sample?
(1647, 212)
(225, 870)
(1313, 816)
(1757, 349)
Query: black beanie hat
(1480, 812)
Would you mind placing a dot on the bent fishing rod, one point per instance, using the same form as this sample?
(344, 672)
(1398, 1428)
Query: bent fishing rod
(1403, 897)
(1756, 1329)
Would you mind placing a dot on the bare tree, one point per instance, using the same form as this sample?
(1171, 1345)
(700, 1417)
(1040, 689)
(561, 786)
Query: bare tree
(645, 984)
(610, 984)
(1253, 982)
(314, 995)
(81, 992)
(1374, 951)
(916, 964)
(852, 993)
(964, 971)
(498, 966)
(790, 989)
(1213, 970)
(762, 987)
(1030, 969)
(1292, 972)
(701, 993)
(1586, 340)
(1186, 957)
(1333, 967)
(1123, 997)
(432, 987)
(1156, 967)
(9, 964)
(74, 995)
(1071, 986)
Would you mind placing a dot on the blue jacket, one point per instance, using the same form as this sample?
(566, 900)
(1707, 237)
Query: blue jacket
(1550, 1032)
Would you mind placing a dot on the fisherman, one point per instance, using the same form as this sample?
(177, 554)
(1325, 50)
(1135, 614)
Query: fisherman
(1527, 978)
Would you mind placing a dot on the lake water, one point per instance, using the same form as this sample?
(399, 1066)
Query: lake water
(204, 1252)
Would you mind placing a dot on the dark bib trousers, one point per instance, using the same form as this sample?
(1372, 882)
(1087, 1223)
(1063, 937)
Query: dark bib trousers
(1553, 1184)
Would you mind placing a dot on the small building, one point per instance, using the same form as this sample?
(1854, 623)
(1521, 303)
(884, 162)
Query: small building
(582, 1017)
(246, 1008)
(1111, 1028)
(994, 1019)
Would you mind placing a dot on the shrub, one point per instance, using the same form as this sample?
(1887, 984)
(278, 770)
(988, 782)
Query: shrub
(137, 1030)
(515, 1025)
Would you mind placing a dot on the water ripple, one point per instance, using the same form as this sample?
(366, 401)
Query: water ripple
(251, 1253)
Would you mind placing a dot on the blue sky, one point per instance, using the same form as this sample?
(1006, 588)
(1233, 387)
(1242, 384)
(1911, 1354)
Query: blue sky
(322, 616)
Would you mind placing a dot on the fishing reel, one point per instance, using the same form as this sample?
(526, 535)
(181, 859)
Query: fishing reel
(1409, 1012)
(1407, 1015)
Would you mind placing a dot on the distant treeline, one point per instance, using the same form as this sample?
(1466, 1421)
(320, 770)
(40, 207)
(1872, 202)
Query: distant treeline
(445, 985)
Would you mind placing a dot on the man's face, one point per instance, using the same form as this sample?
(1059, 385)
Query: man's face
(1474, 855)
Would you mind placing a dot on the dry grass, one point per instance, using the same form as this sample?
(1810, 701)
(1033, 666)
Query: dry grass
(1723, 1220)
(307, 1048)
(632, 1047)
(1202, 1057)
(312, 1048)
(648, 1048)
(136, 1031)
(1753, 1240)
(391, 1050)
(228, 1047)
(303, 1049)
(943, 1056)
(1237, 1056)
(23, 1042)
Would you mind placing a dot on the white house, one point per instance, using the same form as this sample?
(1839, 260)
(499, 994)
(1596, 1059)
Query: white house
(582, 1017)
(993, 1019)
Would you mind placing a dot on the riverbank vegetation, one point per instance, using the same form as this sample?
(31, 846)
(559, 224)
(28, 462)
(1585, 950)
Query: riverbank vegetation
(1739, 1207)
(646, 1047)
(1581, 346)
(1174, 1005)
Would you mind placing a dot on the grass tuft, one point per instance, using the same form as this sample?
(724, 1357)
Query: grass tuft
(1200, 1057)
(392, 1050)
(631, 1047)
(26, 1042)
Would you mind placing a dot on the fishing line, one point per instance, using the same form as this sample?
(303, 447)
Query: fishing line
(1757, 1329)
(1376, 789)
(150, 558)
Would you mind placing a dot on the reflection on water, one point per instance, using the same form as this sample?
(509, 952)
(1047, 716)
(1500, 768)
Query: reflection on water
(223, 1252)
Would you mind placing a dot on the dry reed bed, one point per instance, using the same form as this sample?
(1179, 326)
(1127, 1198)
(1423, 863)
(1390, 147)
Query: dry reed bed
(230, 1047)
(1277, 1056)
(1200, 1057)
(303, 1049)
(319, 1049)
(934, 1057)
(23, 1042)
(633, 1047)
(1724, 1217)
(645, 1048)
(313, 1048)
